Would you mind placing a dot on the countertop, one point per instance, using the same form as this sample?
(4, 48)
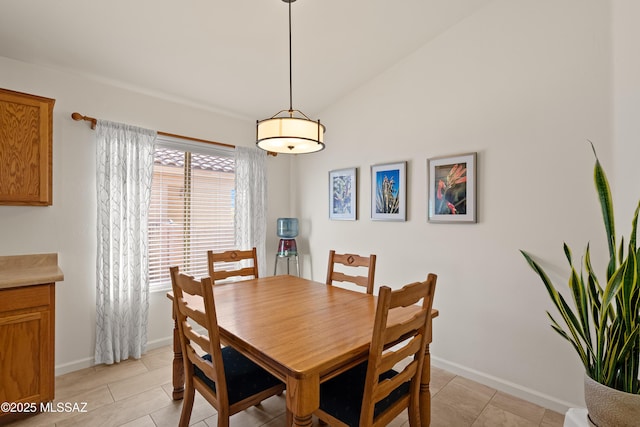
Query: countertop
(27, 270)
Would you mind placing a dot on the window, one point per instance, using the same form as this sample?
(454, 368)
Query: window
(192, 208)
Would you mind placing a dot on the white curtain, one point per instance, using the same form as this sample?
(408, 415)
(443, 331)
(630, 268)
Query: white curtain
(124, 172)
(251, 202)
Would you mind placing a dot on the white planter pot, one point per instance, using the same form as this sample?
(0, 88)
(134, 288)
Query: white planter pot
(608, 407)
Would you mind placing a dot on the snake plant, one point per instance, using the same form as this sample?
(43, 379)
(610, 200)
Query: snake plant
(604, 324)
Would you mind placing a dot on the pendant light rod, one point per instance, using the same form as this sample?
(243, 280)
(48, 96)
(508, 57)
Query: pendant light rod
(290, 62)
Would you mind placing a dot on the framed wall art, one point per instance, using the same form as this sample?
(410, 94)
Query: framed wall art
(451, 188)
(343, 194)
(389, 191)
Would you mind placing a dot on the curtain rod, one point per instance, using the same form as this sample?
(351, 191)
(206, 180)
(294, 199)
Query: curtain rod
(94, 121)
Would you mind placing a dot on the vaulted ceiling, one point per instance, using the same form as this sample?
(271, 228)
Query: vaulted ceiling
(232, 55)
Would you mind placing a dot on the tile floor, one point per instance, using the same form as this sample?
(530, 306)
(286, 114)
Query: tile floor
(137, 393)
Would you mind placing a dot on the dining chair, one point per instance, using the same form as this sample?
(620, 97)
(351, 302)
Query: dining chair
(351, 260)
(372, 393)
(228, 380)
(223, 265)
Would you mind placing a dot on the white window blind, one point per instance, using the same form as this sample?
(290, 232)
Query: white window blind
(192, 208)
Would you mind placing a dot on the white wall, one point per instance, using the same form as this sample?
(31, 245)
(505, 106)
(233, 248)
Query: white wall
(524, 84)
(626, 71)
(68, 227)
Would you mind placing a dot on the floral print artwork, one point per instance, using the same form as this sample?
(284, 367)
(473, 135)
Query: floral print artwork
(451, 191)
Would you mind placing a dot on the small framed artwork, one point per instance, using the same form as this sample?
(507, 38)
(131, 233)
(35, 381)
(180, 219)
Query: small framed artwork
(451, 188)
(343, 194)
(389, 191)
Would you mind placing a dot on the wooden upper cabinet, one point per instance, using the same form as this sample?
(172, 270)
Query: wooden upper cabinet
(26, 134)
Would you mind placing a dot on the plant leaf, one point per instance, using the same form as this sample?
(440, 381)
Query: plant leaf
(571, 321)
(606, 204)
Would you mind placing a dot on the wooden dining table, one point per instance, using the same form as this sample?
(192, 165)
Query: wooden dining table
(303, 332)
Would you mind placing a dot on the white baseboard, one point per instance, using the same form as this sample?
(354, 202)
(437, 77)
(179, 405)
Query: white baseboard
(516, 390)
(76, 365)
(159, 343)
(88, 362)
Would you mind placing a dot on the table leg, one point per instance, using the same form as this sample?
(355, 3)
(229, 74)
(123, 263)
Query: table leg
(178, 364)
(303, 397)
(305, 421)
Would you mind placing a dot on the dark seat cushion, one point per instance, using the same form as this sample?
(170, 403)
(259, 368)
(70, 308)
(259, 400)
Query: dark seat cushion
(342, 396)
(244, 378)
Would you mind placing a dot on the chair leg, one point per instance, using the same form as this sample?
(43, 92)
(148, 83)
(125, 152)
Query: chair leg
(223, 418)
(187, 406)
(414, 414)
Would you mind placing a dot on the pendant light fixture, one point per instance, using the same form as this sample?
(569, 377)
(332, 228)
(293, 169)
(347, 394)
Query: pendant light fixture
(290, 131)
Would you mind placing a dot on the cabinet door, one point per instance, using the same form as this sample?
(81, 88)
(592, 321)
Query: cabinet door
(26, 133)
(25, 347)
(26, 344)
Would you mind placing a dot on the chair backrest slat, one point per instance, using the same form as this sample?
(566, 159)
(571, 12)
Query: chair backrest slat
(351, 259)
(390, 359)
(355, 261)
(397, 331)
(246, 271)
(236, 257)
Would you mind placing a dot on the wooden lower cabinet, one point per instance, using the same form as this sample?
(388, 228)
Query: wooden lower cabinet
(27, 317)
